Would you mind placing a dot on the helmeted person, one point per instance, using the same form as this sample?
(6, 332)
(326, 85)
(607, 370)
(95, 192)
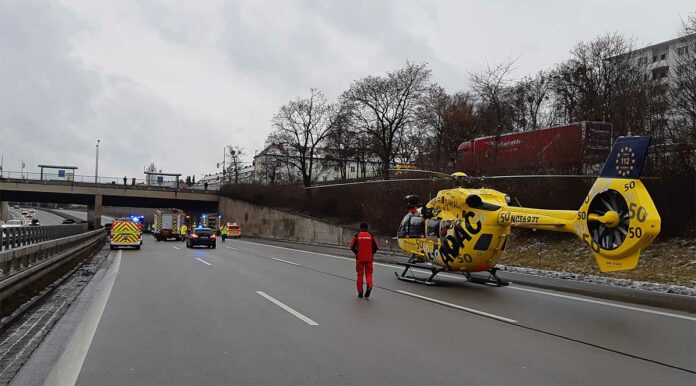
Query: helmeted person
(364, 245)
(224, 232)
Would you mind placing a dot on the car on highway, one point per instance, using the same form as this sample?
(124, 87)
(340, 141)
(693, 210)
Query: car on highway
(25, 212)
(201, 236)
(35, 222)
(68, 221)
(12, 224)
(16, 206)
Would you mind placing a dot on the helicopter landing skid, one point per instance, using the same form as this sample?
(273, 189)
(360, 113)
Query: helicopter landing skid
(408, 268)
(492, 279)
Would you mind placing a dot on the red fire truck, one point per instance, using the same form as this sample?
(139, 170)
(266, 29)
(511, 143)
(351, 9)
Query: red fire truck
(574, 148)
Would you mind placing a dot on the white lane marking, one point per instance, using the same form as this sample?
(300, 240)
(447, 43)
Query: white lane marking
(285, 261)
(69, 365)
(202, 261)
(230, 248)
(288, 309)
(473, 311)
(177, 248)
(570, 297)
(605, 303)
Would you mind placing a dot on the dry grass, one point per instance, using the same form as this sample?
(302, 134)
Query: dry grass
(671, 261)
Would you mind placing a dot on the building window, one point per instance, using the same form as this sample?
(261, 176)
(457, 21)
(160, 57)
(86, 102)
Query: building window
(654, 58)
(642, 60)
(682, 50)
(663, 56)
(352, 169)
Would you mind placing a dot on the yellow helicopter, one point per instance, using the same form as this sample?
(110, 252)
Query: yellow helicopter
(466, 230)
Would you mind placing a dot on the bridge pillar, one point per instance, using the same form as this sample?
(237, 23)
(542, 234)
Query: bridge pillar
(94, 212)
(4, 211)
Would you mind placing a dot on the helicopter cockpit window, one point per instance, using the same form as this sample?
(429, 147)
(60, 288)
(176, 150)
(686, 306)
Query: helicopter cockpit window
(433, 227)
(411, 226)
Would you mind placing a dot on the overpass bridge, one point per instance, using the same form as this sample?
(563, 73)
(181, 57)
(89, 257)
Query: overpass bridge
(96, 195)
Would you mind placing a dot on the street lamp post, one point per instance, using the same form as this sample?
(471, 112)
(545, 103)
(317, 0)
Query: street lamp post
(96, 166)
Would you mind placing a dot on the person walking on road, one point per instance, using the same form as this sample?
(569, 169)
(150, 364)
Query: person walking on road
(183, 232)
(223, 232)
(364, 246)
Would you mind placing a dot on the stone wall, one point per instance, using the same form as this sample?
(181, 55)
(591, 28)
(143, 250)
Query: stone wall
(258, 221)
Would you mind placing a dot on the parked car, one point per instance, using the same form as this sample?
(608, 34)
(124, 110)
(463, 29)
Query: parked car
(201, 236)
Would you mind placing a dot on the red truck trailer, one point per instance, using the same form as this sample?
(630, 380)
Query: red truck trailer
(574, 148)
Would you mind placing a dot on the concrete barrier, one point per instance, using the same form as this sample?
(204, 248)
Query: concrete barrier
(259, 221)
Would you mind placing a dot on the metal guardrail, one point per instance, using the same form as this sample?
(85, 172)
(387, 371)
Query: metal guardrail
(18, 266)
(17, 237)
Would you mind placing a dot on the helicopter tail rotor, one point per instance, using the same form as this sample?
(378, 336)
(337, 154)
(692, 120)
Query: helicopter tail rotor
(618, 219)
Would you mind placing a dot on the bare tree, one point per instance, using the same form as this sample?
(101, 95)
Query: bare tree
(603, 81)
(384, 107)
(460, 124)
(235, 153)
(492, 88)
(530, 98)
(301, 126)
(682, 86)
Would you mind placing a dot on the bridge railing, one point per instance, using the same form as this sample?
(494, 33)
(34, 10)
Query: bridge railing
(16, 237)
(103, 181)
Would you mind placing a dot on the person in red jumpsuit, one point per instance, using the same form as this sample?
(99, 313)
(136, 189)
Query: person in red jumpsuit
(364, 246)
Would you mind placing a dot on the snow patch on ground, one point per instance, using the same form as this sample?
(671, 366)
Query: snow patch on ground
(626, 283)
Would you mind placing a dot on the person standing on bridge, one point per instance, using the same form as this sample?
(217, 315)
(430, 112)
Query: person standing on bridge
(364, 246)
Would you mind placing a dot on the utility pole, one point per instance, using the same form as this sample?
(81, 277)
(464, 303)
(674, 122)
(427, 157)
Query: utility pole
(96, 166)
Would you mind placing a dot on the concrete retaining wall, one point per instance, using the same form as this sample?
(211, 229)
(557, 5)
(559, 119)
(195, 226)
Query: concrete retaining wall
(259, 221)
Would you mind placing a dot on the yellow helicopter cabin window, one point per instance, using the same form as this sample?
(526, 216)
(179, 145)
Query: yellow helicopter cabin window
(411, 226)
(433, 228)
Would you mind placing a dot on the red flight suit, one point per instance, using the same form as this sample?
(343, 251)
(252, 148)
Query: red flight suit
(364, 246)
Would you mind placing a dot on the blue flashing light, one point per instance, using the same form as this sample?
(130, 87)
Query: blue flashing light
(200, 226)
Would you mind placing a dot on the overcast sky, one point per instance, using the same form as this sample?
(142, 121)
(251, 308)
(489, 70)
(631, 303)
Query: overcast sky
(171, 82)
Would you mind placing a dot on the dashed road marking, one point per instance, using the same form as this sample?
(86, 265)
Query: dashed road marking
(177, 248)
(288, 309)
(452, 305)
(285, 261)
(231, 248)
(202, 261)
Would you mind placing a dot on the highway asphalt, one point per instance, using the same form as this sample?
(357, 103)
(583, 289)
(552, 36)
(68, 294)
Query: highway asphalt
(267, 314)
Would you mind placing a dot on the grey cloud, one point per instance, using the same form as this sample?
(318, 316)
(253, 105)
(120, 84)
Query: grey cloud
(53, 108)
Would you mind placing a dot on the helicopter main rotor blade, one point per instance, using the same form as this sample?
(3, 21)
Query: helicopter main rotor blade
(537, 176)
(373, 182)
(421, 171)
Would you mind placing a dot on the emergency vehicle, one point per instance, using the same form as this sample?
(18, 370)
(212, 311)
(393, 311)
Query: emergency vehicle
(125, 233)
(234, 231)
(212, 221)
(167, 224)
